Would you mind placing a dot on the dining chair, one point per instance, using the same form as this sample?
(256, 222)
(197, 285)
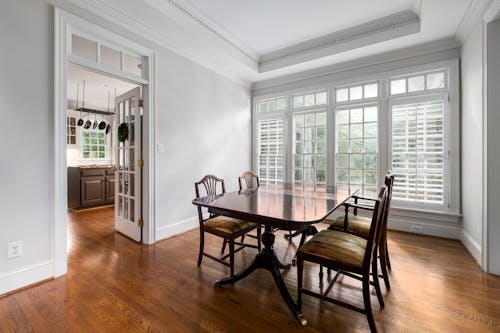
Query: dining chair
(225, 227)
(350, 254)
(248, 180)
(360, 226)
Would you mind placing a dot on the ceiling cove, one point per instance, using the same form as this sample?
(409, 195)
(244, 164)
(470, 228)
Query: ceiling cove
(382, 29)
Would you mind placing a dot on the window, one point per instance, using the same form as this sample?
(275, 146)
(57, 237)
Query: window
(309, 149)
(357, 149)
(418, 83)
(93, 145)
(419, 151)
(358, 92)
(403, 121)
(270, 150)
(310, 100)
(273, 105)
(71, 126)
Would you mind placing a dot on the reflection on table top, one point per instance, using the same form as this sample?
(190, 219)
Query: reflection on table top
(286, 202)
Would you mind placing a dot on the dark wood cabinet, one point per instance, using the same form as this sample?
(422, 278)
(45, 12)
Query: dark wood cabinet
(90, 187)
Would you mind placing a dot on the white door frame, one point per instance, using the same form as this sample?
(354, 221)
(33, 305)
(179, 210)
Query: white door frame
(63, 23)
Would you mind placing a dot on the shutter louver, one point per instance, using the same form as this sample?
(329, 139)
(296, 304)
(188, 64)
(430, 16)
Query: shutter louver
(270, 151)
(418, 152)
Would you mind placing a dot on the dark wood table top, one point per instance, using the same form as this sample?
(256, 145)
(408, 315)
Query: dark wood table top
(284, 205)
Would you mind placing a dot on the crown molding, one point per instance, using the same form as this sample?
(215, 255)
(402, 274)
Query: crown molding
(392, 26)
(447, 48)
(473, 15)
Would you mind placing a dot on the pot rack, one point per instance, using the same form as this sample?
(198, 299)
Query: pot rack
(107, 113)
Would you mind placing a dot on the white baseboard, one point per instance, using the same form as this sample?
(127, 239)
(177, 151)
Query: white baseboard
(176, 228)
(472, 246)
(426, 228)
(25, 276)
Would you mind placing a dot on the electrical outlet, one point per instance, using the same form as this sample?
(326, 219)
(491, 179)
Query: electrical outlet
(416, 228)
(14, 249)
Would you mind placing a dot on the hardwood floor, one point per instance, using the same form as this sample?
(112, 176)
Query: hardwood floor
(114, 284)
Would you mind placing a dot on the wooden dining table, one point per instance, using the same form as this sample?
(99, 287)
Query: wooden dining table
(284, 206)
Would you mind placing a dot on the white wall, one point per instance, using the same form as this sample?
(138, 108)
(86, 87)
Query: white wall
(472, 141)
(203, 119)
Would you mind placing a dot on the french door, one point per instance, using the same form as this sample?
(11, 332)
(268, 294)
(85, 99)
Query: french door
(128, 164)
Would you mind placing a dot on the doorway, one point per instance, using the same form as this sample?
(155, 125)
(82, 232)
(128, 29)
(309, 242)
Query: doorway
(103, 148)
(90, 47)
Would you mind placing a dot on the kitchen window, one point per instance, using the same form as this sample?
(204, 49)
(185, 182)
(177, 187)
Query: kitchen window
(94, 145)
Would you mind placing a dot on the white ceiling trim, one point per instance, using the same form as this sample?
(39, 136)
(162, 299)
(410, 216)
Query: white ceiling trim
(473, 15)
(190, 12)
(377, 59)
(392, 26)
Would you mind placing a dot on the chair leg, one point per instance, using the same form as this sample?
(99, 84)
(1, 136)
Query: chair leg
(202, 243)
(242, 239)
(231, 256)
(321, 272)
(300, 271)
(258, 238)
(387, 256)
(368, 305)
(223, 246)
(383, 266)
(376, 282)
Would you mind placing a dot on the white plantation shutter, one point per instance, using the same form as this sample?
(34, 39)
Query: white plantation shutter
(270, 150)
(419, 152)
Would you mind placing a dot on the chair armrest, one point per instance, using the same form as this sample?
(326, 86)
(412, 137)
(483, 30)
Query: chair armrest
(363, 198)
(370, 208)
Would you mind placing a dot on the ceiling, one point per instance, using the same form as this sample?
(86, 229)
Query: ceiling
(266, 26)
(97, 87)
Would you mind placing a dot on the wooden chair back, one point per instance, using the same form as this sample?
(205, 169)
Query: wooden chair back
(375, 227)
(251, 180)
(210, 183)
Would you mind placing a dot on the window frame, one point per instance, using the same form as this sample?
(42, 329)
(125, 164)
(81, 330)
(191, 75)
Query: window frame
(426, 97)
(384, 99)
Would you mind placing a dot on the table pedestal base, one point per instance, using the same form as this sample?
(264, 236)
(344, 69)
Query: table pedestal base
(267, 260)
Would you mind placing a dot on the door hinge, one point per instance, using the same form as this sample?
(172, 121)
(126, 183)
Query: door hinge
(141, 163)
(141, 222)
(141, 103)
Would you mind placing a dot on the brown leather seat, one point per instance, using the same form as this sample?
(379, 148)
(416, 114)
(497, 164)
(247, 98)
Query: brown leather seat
(357, 225)
(345, 249)
(228, 225)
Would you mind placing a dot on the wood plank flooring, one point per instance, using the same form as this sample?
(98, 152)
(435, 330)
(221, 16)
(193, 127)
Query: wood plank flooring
(116, 285)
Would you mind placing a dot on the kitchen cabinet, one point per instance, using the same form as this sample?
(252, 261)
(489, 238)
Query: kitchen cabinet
(90, 187)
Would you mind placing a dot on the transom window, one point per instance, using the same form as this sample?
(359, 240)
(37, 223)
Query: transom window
(418, 83)
(272, 105)
(310, 100)
(358, 92)
(93, 145)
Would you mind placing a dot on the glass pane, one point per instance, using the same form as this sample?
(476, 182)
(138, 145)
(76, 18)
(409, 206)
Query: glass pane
(310, 119)
(298, 161)
(298, 101)
(370, 130)
(370, 161)
(356, 115)
(398, 86)
(84, 48)
(298, 174)
(371, 90)
(308, 147)
(357, 161)
(343, 176)
(342, 161)
(299, 134)
(308, 161)
(272, 106)
(356, 176)
(356, 145)
(321, 98)
(309, 100)
(356, 131)
(321, 161)
(371, 145)
(343, 117)
(343, 146)
(321, 147)
(370, 178)
(371, 114)
(299, 120)
(435, 80)
(308, 175)
(263, 107)
(416, 83)
(321, 133)
(132, 65)
(309, 133)
(281, 104)
(320, 119)
(355, 93)
(342, 95)
(343, 132)
(320, 176)
(110, 57)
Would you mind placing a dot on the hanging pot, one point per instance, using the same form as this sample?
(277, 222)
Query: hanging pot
(108, 129)
(80, 120)
(102, 124)
(88, 123)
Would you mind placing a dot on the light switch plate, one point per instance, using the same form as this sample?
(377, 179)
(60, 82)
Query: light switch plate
(160, 147)
(14, 249)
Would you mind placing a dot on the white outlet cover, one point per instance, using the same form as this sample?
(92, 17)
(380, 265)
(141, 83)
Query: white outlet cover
(160, 148)
(14, 249)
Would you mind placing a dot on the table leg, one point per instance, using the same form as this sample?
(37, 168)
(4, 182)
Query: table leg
(267, 260)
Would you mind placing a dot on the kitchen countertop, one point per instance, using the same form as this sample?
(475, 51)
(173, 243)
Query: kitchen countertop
(91, 166)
